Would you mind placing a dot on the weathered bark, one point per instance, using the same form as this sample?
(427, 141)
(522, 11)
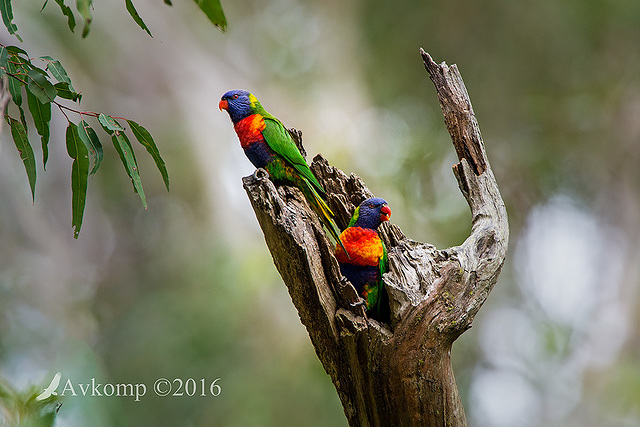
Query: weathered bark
(398, 374)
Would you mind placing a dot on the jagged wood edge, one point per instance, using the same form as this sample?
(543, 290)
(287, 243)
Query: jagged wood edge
(436, 293)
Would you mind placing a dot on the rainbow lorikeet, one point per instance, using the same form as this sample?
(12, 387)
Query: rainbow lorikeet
(269, 146)
(367, 260)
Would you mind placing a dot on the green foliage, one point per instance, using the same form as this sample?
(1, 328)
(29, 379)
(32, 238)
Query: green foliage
(79, 174)
(136, 17)
(214, 12)
(41, 113)
(128, 158)
(19, 134)
(144, 137)
(21, 408)
(40, 86)
(47, 86)
(91, 141)
(7, 17)
(211, 8)
(66, 11)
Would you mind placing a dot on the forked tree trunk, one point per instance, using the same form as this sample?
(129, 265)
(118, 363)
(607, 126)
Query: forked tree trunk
(398, 374)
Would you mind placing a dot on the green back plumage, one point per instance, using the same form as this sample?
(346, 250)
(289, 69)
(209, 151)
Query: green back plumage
(279, 140)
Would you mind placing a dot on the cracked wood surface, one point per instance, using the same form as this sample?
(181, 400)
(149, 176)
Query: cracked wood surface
(397, 374)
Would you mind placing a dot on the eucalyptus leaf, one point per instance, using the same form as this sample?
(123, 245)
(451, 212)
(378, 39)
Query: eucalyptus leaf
(41, 114)
(79, 176)
(213, 10)
(15, 50)
(91, 141)
(15, 85)
(136, 16)
(40, 86)
(124, 149)
(4, 60)
(144, 137)
(19, 134)
(7, 17)
(34, 69)
(57, 70)
(23, 120)
(66, 11)
(109, 124)
(66, 93)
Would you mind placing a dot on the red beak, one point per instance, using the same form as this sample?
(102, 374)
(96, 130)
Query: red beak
(385, 213)
(223, 105)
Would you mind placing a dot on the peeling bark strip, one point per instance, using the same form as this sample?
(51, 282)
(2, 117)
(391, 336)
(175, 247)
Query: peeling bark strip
(398, 374)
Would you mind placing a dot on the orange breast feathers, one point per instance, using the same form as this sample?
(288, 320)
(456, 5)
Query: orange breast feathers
(364, 247)
(250, 129)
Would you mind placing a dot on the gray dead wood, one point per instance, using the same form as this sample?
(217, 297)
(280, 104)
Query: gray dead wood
(398, 374)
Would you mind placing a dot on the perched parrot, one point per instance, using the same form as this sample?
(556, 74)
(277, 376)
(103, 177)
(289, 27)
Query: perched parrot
(367, 260)
(269, 146)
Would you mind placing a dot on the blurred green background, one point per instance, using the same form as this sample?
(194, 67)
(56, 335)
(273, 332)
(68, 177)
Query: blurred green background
(187, 289)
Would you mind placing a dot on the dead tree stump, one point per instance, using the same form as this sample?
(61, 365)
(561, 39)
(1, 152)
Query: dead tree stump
(398, 374)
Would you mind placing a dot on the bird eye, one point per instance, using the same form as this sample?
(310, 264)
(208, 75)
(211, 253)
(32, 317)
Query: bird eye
(235, 96)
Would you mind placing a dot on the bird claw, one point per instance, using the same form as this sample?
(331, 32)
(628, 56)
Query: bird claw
(260, 174)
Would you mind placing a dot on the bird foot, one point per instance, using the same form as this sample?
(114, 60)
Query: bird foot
(261, 174)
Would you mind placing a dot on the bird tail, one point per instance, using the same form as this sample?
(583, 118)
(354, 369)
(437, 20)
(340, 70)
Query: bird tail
(326, 214)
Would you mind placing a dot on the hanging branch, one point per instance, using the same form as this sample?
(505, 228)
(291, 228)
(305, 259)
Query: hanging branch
(399, 373)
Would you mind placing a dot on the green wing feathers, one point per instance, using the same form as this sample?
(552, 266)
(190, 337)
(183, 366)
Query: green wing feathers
(384, 262)
(326, 215)
(280, 141)
(324, 210)
(384, 267)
